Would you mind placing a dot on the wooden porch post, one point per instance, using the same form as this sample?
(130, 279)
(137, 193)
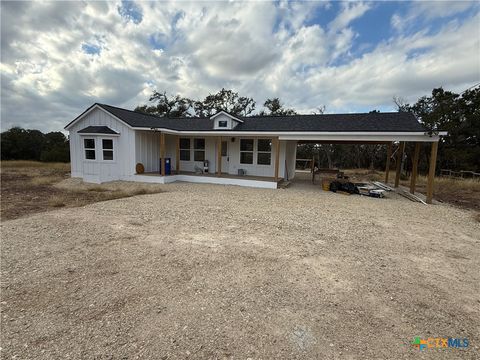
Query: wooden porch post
(413, 179)
(399, 162)
(162, 152)
(177, 155)
(219, 155)
(276, 143)
(431, 171)
(387, 165)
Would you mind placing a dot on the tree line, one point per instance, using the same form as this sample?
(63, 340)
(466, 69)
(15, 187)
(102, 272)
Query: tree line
(26, 144)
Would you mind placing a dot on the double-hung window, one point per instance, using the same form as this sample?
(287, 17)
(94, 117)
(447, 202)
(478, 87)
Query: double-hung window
(264, 152)
(246, 151)
(107, 147)
(89, 146)
(185, 149)
(199, 149)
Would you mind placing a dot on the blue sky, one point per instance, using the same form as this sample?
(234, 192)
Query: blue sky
(58, 58)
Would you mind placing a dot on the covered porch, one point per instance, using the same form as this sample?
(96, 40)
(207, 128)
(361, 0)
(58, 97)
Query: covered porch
(254, 161)
(206, 178)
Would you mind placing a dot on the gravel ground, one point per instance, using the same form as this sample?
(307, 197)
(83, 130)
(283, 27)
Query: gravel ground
(206, 271)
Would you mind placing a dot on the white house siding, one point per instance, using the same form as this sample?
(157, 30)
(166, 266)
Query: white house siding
(147, 150)
(255, 169)
(98, 170)
(231, 124)
(210, 154)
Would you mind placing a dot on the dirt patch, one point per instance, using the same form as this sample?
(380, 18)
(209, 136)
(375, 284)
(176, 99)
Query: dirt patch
(29, 187)
(205, 271)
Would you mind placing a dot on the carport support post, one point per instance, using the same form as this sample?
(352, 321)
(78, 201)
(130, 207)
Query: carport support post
(219, 155)
(399, 162)
(387, 165)
(413, 179)
(177, 155)
(162, 152)
(276, 144)
(431, 171)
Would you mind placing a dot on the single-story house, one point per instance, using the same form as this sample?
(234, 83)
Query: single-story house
(108, 143)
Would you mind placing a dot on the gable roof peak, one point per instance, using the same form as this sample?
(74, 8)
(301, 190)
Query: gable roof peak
(223, 112)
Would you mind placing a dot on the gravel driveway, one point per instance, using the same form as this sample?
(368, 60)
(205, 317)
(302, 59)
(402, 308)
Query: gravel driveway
(206, 271)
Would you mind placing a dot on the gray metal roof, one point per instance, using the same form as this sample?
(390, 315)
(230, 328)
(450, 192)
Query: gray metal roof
(358, 122)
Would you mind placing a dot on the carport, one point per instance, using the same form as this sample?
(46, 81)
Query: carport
(387, 138)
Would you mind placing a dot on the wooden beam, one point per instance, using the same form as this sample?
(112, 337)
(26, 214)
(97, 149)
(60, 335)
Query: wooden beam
(219, 155)
(413, 179)
(276, 144)
(162, 153)
(431, 171)
(399, 163)
(387, 165)
(177, 156)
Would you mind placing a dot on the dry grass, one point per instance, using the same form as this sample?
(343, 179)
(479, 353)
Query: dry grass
(98, 189)
(461, 192)
(31, 187)
(57, 201)
(46, 180)
(6, 164)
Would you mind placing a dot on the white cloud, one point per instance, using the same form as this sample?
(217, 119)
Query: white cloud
(428, 10)
(349, 12)
(260, 49)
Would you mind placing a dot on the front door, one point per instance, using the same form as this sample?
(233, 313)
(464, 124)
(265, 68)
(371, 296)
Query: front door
(225, 157)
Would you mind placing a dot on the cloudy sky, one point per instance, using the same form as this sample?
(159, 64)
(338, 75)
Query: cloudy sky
(57, 58)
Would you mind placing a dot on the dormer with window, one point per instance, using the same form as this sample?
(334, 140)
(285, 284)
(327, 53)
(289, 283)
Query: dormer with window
(224, 121)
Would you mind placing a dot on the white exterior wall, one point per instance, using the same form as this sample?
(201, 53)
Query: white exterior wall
(210, 154)
(99, 170)
(254, 169)
(231, 123)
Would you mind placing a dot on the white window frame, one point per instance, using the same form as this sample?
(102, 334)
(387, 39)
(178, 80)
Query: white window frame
(203, 150)
(85, 149)
(264, 152)
(247, 151)
(185, 149)
(112, 150)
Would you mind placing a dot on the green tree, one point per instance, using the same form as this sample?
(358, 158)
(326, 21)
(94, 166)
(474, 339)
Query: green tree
(26, 144)
(226, 100)
(459, 115)
(275, 107)
(165, 106)
(55, 148)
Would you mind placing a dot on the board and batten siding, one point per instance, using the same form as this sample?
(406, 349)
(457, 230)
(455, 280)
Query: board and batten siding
(99, 170)
(255, 169)
(147, 149)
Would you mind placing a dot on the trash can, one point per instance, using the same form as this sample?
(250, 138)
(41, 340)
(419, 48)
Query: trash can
(168, 166)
